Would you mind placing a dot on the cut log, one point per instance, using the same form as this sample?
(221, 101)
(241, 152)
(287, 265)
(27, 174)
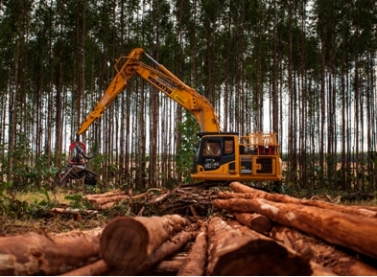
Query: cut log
(75, 213)
(317, 269)
(127, 241)
(196, 260)
(48, 254)
(248, 192)
(104, 200)
(232, 252)
(169, 267)
(254, 221)
(241, 188)
(104, 195)
(166, 249)
(338, 261)
(98, 268)
(101, 200)
(346, 230)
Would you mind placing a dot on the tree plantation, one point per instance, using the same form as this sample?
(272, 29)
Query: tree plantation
(304, 69)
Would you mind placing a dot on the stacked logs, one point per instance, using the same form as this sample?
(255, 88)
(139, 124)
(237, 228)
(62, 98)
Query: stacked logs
(249, 232)
(342, 238)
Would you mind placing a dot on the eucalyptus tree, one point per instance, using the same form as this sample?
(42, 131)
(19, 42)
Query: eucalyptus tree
(15, 23)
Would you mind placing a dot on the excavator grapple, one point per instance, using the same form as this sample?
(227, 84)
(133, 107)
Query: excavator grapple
(76, 167)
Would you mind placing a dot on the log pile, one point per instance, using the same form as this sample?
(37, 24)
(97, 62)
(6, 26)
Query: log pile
(206, 232)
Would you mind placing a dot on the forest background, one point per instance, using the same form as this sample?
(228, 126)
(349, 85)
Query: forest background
(303, 69)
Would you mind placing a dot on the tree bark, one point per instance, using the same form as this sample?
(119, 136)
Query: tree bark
(256, 222)
(104, 195)
(98, 268)
(106, 200)
(247, 192)
(166, 249)
(196, 260)
(52, 254)
(75, 213)
(232, 252)
(317, 269)
(128, 241)
(339, 262)
(350, 231)
(166, 268)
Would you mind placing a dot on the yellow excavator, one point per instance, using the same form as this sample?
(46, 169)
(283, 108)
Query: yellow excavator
(221, 156)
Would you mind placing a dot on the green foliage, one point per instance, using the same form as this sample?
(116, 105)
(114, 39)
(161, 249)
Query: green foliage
(239, 53)
(75, 200)
(25, 175)
(11, 206)
(186, 152)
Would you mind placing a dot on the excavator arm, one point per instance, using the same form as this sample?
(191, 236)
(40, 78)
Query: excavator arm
(163, 80)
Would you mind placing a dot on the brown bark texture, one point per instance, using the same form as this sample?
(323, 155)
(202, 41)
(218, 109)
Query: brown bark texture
(338, 261)
(168, 248)
(127, 241)
(254, 221)
(350, 231)
(168, 267)
(98, 268)
(244, 191)
(196, 260)
(42, 254)
(316, 268)
(232, 252)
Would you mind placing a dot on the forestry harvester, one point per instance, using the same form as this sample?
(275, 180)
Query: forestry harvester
(221, 156)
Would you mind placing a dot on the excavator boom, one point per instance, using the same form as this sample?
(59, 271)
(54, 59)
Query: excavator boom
(163, 80)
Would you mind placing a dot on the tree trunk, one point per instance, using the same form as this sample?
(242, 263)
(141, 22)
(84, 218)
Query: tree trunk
(195, 263)
(167, 268)
(128, 241)
(350, 231)
(166, 249)
(322, 253)
(232, 252)
(98, 268)
(247, 192)
(317, 269)
(256, 222)
(41, 254)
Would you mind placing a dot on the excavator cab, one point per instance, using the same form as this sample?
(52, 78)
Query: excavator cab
(229, 157)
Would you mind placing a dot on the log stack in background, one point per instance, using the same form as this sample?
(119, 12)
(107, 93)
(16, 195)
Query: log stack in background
(238, 232)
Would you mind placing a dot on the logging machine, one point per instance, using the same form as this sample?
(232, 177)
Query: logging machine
(221, 156)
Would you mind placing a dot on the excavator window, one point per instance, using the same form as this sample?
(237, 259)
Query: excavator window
(212, 148)
(229, 146)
